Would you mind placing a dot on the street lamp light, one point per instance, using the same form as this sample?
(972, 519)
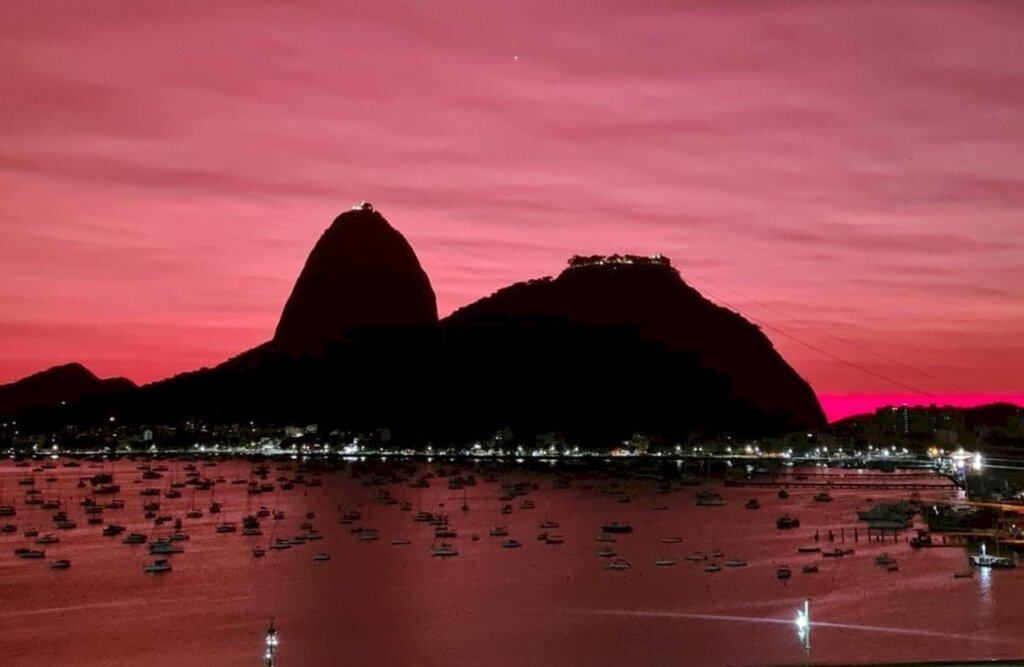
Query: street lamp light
(803, 630)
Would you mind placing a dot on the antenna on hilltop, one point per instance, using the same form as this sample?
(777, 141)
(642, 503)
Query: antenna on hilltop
(363, 206)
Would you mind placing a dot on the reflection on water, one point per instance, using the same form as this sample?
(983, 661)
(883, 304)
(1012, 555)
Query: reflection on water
(544, 603)
(984, 575)
(816, 625)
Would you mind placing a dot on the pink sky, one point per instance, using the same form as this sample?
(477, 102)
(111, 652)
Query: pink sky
(850, 175)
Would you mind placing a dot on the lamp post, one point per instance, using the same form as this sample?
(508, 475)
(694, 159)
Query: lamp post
(803, 630)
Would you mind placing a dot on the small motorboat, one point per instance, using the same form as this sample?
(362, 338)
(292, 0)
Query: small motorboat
(29, 553)
(157, 566)
(616, 527)
(321, 557)
(712, 567)
(752, 504)
(400, 540)
(444, 551)
(735, 562)
(786, 522)
(671, 540)
(60, 564)
(707, 497)
(884, 559)
(783, 572)
(983, 560)
(258, 552)
(783, 494)
(809, 569)
(664, 562)
(618, 564)
(511, 544)
(164, 548)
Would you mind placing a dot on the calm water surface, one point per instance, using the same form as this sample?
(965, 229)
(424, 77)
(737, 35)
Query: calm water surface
(375, 603)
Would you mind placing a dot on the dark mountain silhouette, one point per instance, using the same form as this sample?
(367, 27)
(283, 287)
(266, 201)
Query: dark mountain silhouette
(67, 383)
(361, 273)
(620, 344)
(609, 347)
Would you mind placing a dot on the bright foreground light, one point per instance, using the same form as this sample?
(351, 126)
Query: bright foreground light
(803, 625)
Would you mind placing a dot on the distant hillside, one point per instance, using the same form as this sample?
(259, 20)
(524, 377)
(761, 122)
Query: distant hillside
(67, 383)
(991, 425)
(989, 414)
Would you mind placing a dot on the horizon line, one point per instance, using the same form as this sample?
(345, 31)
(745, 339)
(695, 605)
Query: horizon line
(839, 406)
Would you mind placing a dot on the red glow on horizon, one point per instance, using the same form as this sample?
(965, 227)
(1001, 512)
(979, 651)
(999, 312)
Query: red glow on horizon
(840, 407)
